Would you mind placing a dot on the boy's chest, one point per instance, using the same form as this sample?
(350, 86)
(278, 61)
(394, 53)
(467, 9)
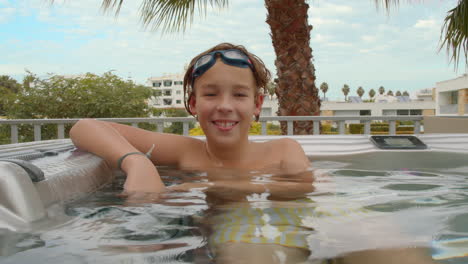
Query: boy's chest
(260, 160)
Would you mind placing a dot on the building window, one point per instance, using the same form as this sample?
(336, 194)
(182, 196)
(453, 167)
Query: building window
(167, 92)
(364, 112)
(167, 83)
(157, 93)
(156, 84)
(178, 101)
(178, 92)
(415, 112)
(265, 112)
(167, 101)
(454, 97)
(402, 112)
(178, 83)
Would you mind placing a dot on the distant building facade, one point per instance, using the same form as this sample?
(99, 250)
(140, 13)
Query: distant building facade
(451, 96)
(447, 98)
(383, 105)
(168, 91)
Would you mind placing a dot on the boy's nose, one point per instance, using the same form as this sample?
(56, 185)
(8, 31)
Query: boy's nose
(225, 104)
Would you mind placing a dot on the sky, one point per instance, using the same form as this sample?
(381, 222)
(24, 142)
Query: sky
(353, 42)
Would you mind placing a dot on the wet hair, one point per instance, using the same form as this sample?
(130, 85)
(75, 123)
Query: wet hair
(261, 73)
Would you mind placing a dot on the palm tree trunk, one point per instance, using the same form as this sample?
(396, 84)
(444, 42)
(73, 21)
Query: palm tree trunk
(290, 34)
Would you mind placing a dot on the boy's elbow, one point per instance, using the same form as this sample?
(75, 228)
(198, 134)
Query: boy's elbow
(80, 126)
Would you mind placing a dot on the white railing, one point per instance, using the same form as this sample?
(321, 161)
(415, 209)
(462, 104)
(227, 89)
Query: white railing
(161, 122)
(449, 109)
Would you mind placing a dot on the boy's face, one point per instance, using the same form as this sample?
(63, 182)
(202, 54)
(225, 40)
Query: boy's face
(225, 102)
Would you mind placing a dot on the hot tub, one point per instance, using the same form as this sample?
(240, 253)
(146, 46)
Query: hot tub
(426, 186)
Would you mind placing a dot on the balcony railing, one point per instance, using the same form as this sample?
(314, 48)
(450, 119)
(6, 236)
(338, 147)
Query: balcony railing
(449, 109)
(161, 122)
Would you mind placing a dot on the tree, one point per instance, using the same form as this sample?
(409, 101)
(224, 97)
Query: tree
(405, 93)
(89, 96)
(345, 91)
(8, 87)
(271, 88)
(371, 93)
(9, 84)
(398, 93)
(324, 88)
(381, 90)
(390, 93)
(454, 34)
(360, 91)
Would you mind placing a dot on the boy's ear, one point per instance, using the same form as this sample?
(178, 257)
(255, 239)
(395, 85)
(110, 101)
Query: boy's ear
(192, 102)
(258, 103)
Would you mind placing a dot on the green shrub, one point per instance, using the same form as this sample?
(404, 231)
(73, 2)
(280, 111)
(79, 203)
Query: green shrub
(379, 127)
(356, 128)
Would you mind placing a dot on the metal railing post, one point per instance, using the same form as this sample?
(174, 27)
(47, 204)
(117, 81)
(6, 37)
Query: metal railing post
(392, 127)
(185, 128)
(160, 128)
(367, 127)
(417, 127)
(316, 127)
(14, 134)
(290, 128)
(37, 132)
(264, 127)
(341, 127)
(60, 131)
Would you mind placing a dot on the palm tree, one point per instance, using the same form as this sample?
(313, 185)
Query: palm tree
(405, 93)
(390, 93)
(345, 91)
(398, 93)
(360, 91)
(454, 35)
(271, 88)
(371, 93)
(381, 90)
(290, 33)
(324, 88)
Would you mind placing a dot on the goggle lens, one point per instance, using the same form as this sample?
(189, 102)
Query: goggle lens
(231, 57)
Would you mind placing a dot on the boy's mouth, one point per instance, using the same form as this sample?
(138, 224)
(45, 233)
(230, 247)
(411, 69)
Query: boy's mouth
(224, 125)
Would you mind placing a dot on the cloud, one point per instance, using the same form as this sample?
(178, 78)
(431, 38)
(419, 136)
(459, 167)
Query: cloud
(369, 38)
(321, 21)
(6, 13)
(430, 23)
(327, 9)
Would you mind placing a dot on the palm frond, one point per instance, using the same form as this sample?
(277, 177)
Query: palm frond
(454, 33)
(387, 4)
(168, 15)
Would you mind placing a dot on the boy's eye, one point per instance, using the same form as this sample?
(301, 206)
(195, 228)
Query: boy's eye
(241, 94)
(209, 94)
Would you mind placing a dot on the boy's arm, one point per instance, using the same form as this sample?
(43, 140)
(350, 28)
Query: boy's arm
(111, 141)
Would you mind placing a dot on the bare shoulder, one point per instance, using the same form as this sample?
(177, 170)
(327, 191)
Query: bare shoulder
(293, 157)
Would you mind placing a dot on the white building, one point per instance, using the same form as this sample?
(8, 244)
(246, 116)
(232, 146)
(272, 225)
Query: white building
(452, 96)
(168, 91)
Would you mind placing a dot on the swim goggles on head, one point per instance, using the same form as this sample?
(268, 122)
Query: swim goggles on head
(233, 57)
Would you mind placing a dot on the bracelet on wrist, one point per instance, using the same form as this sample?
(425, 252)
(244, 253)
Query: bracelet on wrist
(121, 159)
